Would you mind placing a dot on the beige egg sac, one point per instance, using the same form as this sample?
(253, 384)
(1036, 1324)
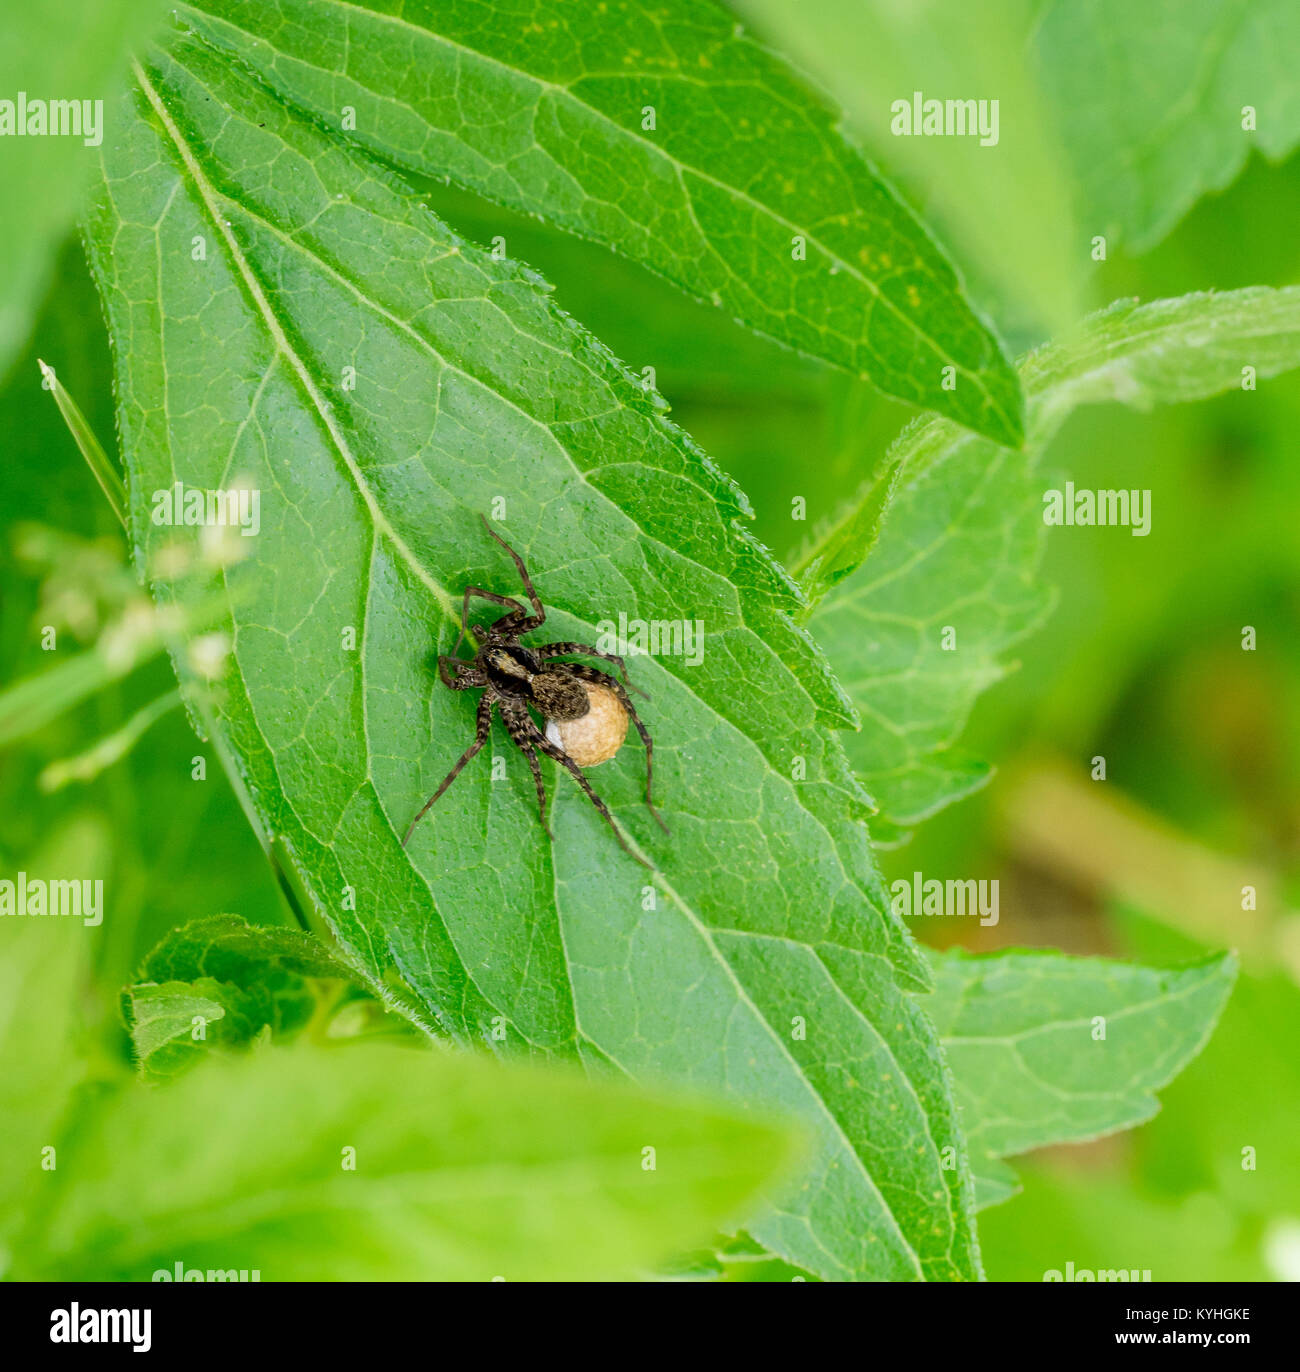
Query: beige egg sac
(598, 735)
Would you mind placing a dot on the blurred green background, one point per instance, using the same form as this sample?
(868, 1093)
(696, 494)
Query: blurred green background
(1140, 663)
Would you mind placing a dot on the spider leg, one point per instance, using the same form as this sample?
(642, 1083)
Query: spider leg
(549, 650)
(599, 678)
(518, 731)
(480, 738)
(466, 674)
(517, 611)
(540, 741)
(538, 617)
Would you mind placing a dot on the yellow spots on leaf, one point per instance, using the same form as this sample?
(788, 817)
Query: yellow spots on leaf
(886, 261)
(913, 296)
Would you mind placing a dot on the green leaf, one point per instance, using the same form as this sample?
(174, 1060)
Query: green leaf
(1021, 1033)
(961, 542)
(760, 959)
(839, 545)
(45, 174)
(1002, 203)
(380, 1163)
(744, 193)
(1152, 99)
(230, 949)
(42, 964)
(162, 1021)
(239, 980)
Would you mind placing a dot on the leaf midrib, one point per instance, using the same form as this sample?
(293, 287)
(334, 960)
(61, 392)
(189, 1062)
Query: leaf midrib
(1079, 1022)
(706, 934)
(284, 349)
(284, 346)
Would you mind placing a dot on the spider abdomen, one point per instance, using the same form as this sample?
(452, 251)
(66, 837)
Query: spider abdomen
(559, 696)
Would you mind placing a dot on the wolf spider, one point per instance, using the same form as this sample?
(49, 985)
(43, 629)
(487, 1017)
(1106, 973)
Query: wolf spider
(515, 676)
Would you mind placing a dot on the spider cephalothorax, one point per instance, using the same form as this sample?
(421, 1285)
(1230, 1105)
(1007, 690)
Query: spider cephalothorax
(515, 677)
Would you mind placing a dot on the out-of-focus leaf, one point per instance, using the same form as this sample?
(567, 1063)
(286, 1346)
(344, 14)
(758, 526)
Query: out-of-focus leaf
(42, 961)
(1046, 1048)
(1004, 206)
(744, 192)
(1153, 101)
(68, 51)
(960, 544)
(136, 636)
(379, 1163)
(104, 752)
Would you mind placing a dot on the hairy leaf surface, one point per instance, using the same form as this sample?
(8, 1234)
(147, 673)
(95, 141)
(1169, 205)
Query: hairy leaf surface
(243, 982)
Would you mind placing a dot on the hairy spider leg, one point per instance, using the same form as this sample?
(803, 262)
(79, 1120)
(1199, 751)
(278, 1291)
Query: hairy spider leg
(517, 612)
(518, 621)
(467, 674)
(538, 617)
(549, 650)
(599, 678)
(519, 737)
(480, 738)
(544, 744)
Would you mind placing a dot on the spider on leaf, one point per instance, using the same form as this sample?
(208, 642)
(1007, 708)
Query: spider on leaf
(586, 710)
